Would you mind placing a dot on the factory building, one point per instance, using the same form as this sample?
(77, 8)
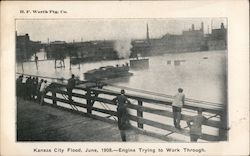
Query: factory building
(189, 41)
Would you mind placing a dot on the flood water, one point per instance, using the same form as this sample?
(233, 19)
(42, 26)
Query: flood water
(202, 75)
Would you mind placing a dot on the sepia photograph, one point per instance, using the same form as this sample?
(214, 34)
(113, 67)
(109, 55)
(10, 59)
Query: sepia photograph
(121, 80)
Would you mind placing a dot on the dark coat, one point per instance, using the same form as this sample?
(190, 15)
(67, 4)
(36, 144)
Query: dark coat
(122, 112)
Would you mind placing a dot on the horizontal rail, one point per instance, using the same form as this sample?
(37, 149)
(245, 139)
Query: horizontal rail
(144, 132)
(136, 107)
(139, 119)
(110, 112)
(170, 114)
(142, 108)
(171, 128)
(189, 103)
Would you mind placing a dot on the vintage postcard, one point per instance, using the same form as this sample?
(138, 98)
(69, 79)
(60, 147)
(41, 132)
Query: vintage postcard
(125, 78)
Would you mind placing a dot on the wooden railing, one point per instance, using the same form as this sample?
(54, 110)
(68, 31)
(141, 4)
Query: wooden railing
(87, 97)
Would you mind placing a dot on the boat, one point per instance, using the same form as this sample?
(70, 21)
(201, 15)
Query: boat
(107, 72)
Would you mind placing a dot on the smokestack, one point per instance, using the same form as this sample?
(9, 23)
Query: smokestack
(202, 26)
(192, 27)
(147, 34)
(211, 25)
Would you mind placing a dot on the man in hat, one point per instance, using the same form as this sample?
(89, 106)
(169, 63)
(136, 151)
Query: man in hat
(71, 84)
(195, 124)
(122, 113)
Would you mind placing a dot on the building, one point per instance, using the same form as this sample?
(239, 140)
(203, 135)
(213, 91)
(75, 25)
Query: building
(25, 48)
(189, 41)
(218, 39)
(93, 50)
(56, 50)
(141, 47)
(85, 51)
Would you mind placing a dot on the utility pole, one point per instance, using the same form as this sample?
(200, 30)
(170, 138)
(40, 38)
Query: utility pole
(148, 34)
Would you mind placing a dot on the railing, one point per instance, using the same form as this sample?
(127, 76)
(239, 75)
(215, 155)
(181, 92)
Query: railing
(86, 99)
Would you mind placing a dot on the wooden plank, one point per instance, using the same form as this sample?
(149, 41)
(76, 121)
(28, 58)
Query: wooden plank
(189, 105)
(146, 109)
(155, 135)
(156, 101)
(99, 99)
(83, 113)
(171, 128)
(141, 98)
(141, 120)
(143, 132)
(216, 124)
(67, 101)
(144, 121)
(110, 112)
(166, 113)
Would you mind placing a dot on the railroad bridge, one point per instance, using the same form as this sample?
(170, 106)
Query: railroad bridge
(150, 116)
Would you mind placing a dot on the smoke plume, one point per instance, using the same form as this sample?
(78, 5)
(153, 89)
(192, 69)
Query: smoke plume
(123, 48)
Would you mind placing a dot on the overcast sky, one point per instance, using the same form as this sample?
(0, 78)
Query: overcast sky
(108, 29)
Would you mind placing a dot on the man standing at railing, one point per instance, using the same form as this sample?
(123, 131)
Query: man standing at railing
(195, 127)
(71, 84)
(122, 113)
(38, 90)
(43, 87)
(19, 86)
(177, 105)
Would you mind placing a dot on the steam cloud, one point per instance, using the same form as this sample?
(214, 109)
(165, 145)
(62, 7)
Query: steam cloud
(123, 48)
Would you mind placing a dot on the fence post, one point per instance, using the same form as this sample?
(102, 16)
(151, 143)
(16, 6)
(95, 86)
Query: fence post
(140, 114)
(223, 129)
(54, 96)
(89, 105)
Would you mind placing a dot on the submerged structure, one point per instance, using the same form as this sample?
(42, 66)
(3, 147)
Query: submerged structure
(139, 63)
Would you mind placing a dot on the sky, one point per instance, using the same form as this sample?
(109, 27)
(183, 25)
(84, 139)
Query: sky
(70, 30)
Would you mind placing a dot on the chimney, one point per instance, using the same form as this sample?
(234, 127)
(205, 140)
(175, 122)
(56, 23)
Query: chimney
(202, 26)
(147, 34)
